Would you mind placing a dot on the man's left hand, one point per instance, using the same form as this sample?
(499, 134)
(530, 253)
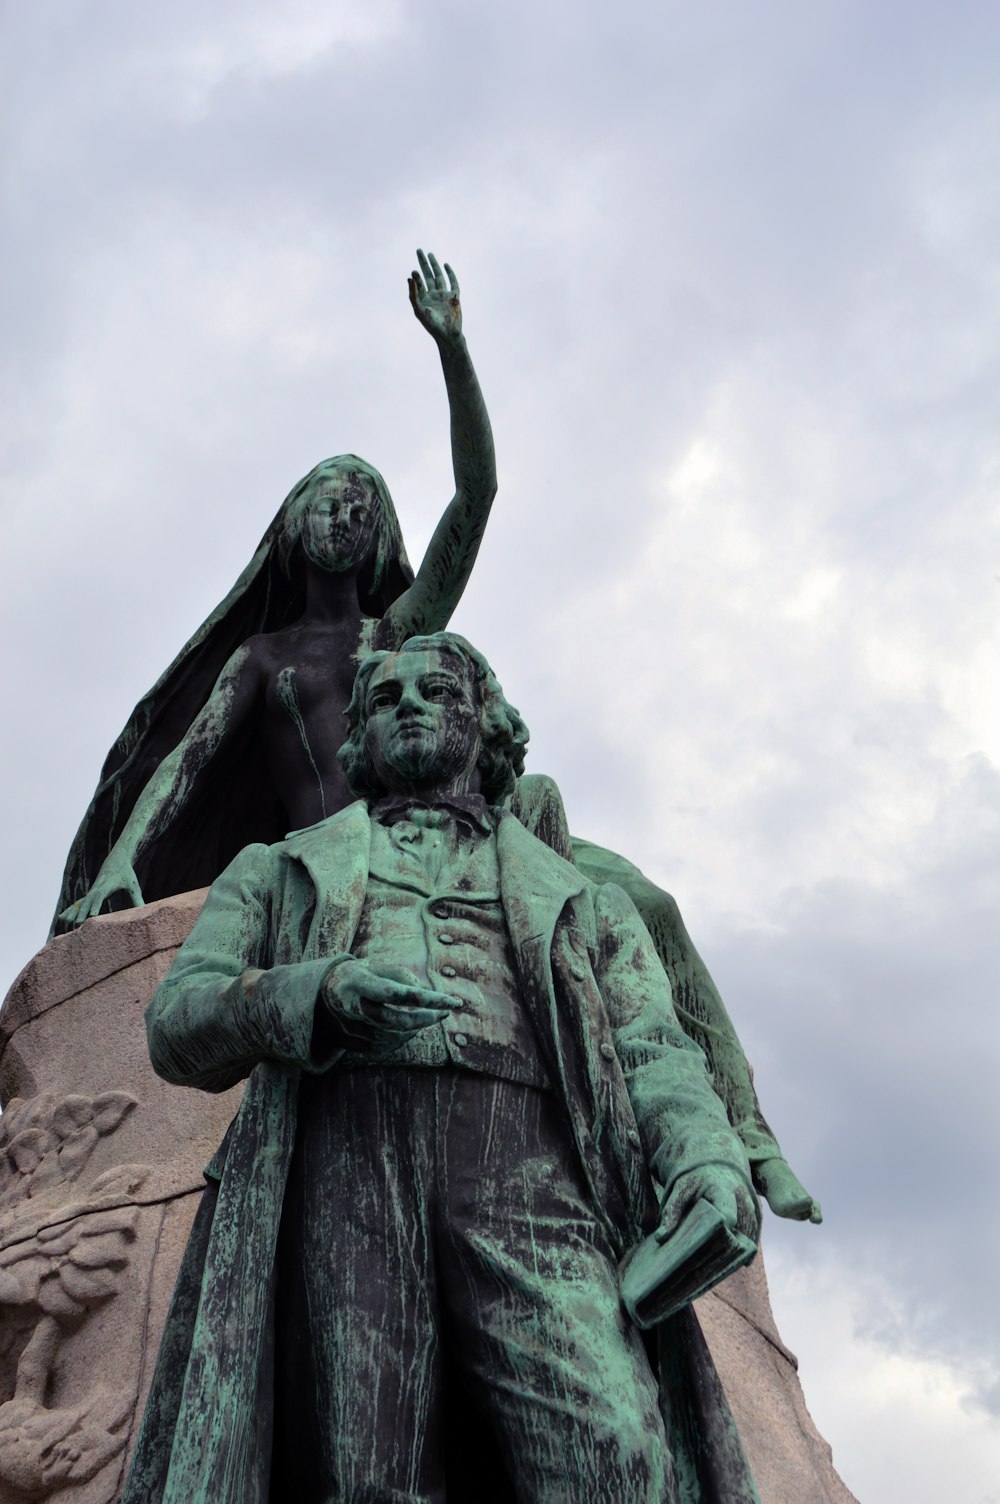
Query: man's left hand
(724, 1188)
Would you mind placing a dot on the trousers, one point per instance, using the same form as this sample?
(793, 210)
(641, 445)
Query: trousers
(436, 1222)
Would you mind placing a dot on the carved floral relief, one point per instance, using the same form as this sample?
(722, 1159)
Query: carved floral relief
(52, 1276)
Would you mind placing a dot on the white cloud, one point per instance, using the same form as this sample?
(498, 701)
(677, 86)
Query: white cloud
(257, 43)
(912, 1430)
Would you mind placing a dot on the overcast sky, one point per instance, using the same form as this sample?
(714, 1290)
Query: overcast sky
(730, 281)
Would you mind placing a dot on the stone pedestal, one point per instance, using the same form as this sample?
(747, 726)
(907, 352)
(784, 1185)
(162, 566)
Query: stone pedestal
(100, 1176)
(790, 1461)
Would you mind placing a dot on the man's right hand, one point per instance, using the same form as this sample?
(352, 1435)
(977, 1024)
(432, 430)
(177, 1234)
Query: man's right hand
(378, 1008)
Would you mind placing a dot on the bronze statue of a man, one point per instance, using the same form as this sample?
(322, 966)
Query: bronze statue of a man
(468, 1098)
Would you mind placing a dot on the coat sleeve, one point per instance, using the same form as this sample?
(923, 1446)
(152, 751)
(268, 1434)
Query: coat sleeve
(682, 1122)
(223, 1008)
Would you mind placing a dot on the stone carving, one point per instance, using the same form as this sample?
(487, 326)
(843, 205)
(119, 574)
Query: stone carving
(68, 1268)
(73, 1022)
(42, 1451)
(46, 1143)
(52, 1275)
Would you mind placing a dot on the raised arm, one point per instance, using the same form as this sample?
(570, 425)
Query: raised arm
(225, 711)
(428, 604)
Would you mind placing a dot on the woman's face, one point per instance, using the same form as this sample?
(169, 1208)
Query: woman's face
(338, 519)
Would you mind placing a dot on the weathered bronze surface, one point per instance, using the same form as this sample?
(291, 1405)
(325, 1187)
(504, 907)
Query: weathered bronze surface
(469, 1097)
(237, 740)
(476, 1067)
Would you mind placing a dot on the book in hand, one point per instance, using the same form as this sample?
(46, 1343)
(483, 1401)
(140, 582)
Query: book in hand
(659, 1279)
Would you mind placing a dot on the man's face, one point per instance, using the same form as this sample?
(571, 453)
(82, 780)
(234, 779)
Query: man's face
(422, 723)
(338, 524)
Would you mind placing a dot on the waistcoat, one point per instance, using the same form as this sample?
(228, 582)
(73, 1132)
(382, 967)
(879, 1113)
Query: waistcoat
(433, 905)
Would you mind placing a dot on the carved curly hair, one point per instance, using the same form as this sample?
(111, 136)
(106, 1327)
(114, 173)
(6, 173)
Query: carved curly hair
(503, 734)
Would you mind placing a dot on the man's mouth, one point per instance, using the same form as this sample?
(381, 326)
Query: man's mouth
(413, 728)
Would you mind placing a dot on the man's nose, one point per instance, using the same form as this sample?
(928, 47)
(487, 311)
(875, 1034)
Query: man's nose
(410, 701)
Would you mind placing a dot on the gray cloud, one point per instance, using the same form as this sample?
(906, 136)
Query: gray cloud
(871, 1015)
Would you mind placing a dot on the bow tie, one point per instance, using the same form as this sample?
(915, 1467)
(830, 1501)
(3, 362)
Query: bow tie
(468, 809)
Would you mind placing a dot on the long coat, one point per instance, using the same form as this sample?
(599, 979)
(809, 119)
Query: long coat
(241, 1001)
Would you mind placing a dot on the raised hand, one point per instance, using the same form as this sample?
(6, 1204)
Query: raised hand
(435, 301)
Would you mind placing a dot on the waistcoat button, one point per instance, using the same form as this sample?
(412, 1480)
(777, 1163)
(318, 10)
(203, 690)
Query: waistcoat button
(607, 1051)
(448, 971)
(447, 939)
(461, 1039)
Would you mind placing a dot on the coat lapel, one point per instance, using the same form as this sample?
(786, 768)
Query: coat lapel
(535, 887)
(535, 884)
(222, 1463)
(335, 854)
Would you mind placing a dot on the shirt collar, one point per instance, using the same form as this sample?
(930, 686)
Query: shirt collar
(468, 809)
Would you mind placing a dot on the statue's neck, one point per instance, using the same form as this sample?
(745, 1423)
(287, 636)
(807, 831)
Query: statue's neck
(331, 599)
(469, 781)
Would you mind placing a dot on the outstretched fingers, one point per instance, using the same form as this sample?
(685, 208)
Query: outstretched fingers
(403, 1008)
(121, 880)
(434, 297)
(434, 276)
(427, 269)
(85, 908)
(383, 990)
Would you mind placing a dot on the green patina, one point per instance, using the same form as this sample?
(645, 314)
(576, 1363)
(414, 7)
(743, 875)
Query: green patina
(285, 980)
(589, 995)
(237, 741)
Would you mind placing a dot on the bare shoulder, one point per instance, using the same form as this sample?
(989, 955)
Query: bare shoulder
(245, 669)
(264, 647)
(268, 651)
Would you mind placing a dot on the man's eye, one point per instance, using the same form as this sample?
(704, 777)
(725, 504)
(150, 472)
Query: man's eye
(440, 692)
(381, 702)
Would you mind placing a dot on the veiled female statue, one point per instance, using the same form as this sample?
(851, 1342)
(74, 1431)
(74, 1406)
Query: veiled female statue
(237, 741)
